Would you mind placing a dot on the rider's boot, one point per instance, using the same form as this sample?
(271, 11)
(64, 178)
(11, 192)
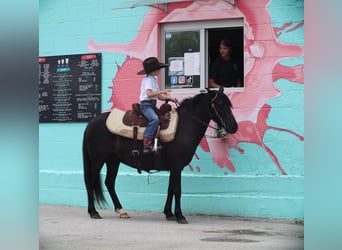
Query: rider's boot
(148, 145)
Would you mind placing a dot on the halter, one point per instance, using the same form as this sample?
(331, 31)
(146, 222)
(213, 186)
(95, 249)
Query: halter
(214, 108)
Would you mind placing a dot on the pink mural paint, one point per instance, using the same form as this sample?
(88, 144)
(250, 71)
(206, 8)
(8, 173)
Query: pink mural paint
(263, 52)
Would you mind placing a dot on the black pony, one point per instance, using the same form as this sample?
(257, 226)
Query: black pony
(101, 146)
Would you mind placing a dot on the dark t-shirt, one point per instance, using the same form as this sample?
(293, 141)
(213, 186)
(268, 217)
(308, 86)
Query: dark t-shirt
(225, 72)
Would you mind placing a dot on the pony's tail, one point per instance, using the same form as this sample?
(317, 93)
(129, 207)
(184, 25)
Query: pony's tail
(89, 175)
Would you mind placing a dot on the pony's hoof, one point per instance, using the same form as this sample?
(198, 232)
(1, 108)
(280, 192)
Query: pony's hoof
(95, 216)
(170, 217)
(182, 221)
(124, 215)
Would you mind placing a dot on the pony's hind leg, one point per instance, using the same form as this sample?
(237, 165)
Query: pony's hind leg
(112, 172)
(168, 204)
(94, 189)
(175, 182)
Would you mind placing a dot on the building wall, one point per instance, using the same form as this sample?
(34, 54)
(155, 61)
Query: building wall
(258, 172)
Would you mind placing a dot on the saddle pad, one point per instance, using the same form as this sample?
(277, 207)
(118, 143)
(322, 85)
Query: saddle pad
(115, 125)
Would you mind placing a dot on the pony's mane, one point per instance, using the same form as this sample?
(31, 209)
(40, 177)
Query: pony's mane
(190, 101)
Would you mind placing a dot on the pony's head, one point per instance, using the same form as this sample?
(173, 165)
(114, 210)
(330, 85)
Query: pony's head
(221, 110)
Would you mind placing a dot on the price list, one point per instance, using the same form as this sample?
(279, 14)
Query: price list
(69, 88)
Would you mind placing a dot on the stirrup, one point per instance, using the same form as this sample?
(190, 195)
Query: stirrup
(156, 145)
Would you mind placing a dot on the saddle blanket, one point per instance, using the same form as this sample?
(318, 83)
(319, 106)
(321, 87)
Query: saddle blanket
(115, 125)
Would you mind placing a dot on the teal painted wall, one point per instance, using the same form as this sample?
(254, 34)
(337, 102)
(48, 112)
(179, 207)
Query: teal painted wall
(256, 187)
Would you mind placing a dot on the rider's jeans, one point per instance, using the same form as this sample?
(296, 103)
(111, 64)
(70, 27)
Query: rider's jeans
(149, 111)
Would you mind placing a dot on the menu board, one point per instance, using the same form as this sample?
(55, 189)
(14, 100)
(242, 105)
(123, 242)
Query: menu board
(69, 88)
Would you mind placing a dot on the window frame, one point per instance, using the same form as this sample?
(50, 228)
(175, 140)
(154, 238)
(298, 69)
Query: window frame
(202, 27)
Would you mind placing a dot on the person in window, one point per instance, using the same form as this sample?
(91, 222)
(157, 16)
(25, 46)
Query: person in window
(149, 93)
(225, 71)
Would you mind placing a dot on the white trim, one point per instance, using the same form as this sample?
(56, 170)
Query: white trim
(208, 24)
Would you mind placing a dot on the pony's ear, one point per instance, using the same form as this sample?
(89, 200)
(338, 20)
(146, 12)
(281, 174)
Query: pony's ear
(221, 89)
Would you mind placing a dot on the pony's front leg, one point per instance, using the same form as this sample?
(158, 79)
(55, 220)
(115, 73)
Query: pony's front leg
(177, 190)
(168, 204)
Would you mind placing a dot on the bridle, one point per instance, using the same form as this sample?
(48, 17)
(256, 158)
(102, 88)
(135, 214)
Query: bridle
(216, 112)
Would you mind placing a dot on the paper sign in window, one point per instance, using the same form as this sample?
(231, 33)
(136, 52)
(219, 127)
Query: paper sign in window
(192, 63)
(176, 66)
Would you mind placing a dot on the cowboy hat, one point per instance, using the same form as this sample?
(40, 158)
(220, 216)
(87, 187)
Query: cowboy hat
(151, 64)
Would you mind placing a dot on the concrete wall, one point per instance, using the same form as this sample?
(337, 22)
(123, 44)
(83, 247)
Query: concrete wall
(259, 172)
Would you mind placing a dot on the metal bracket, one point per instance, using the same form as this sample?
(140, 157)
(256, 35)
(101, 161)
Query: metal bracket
(162, 6)
(231, 2)
(159, 4)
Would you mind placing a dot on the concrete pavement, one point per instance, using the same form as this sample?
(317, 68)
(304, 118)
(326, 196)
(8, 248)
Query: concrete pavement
(64, 228)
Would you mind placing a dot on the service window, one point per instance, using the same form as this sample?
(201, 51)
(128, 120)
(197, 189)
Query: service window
(191, 48)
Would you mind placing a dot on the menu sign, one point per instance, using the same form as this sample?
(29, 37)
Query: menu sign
(69, 88)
